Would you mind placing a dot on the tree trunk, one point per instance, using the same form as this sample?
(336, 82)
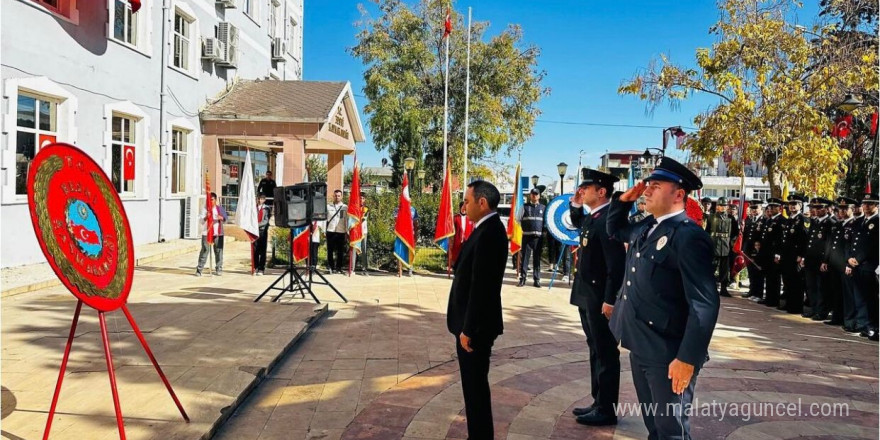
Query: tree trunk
(774, 177)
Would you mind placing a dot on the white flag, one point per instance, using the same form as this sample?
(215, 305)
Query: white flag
(246, 212)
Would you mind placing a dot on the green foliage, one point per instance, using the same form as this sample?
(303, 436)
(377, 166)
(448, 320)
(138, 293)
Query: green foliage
(316, 167)
(404, 52)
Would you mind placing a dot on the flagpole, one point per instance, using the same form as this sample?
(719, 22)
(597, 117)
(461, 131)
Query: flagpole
(446, 105)
(467, 100)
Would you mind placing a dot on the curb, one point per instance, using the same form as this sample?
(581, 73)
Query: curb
(320, 311)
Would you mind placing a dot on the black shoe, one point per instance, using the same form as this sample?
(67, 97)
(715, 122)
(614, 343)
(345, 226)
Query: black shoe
(832, 322)
(865, 333)
(725, 294)
(745, 295)
(537, 284)
(850, 329)
(873, 335)
(806, 315)
(597, 418)
(818, 318)
(771, 304)
(761, 301)
(780, 308)
(521, 283)
(584, 410)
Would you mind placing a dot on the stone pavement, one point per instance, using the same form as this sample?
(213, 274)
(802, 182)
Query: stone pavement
(382, 367)
(212, 341)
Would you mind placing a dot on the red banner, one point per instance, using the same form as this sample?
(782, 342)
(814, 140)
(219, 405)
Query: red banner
(128, 162)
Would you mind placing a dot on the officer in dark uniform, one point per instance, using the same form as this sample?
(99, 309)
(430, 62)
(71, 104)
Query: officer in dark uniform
(706, 203)
(532, 222)
(844, 313)
(863, 263)
(770, 243)
(791, 252)
(818, 285)
(861, 322)
(599, 275)
(668, 305)
(720, 228)
(735, 229)
(752, 231)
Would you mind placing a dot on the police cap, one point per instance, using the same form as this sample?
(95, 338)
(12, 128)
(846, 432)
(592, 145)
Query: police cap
(594, 177)
(668, 170)
(870, 198)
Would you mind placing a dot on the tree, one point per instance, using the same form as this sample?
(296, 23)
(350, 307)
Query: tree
(403, 52)
(316, 167)
(773, 94)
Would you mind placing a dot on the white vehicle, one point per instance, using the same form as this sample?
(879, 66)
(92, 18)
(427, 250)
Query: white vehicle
(504, 213)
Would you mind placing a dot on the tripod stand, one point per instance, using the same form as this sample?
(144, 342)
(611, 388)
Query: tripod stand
(296, 282)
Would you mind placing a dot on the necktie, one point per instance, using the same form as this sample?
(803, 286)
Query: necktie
(647, 229)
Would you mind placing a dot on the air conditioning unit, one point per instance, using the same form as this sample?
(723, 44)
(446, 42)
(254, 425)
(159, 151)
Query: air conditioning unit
(228, 35)
(192, 210)
(226, 4)
(213, 49)
(279, 46)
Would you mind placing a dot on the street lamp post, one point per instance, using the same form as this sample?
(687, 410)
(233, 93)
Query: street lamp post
(421, 174)
(535, 181)
(562, 168)
(408, 164)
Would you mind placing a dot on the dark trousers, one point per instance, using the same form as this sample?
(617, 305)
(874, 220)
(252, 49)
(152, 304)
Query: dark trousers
(336, 251)
(794, 285)
(855, 312)
(531, 248)
(260, 249)
(814, 291)
(722, 266)
(867, 286)
(756, 281)
(833, 291)
(653, 386)
(474, 369)
(730, 259)
(313, 253)
(773, 282)
(604, 358)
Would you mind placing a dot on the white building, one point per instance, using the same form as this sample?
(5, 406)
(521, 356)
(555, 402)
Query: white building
(92, 73)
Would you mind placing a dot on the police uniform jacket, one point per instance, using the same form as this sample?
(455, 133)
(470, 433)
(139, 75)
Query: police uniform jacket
(851, 243)
(771, 240)
(835, 249)
(600, 259)
(794, 237)
(668, 305)
(866, 246)
(820, 230)
(720, 228)
(750, 234)
(637, 217)
(532, 219)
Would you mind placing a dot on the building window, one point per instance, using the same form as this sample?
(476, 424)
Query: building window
(732, 193)
(250, 8)
(124, 156)
(178, 160)
(182, 40)
(273, 18)
(710, 192)
(125, 23)
(37, 125)
(762, 194)
(292, 40)
(51, 4)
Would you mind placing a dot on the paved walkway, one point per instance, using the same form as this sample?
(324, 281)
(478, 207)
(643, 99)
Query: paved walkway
(213, 342)
(382, 367)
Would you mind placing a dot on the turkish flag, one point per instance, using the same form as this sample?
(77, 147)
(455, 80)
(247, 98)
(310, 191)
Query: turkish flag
(135, 5)
(128, 162)
(46, 139)
(842, 127)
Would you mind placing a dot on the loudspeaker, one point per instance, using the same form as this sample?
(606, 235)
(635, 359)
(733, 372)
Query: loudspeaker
(297, 205)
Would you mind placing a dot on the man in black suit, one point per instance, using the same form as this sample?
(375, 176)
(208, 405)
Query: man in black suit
(474, 312)
(863, 262)
(770, 244)
(599, 275)
(821, 299)
(668, 305)
(751, 246)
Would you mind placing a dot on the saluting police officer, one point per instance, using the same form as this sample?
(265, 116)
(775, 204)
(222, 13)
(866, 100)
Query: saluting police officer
(791, 251)
(817, 281)
(599, 275)
(752, 231)
(770, 243)
(863, 263)
(532, 222)
(845, 312)
(668, 306)
(720, 229)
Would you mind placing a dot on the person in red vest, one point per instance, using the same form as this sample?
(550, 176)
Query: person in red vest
(463, 228)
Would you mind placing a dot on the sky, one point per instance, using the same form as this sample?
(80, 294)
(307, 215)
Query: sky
(588, 49)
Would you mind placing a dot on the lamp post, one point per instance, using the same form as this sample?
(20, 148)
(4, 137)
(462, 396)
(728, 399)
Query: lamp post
(562, 168)
(408, 164)
(421, 174)
(535, 181)
(648, 158)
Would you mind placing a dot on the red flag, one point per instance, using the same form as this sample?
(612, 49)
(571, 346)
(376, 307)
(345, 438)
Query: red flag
(874, 124)
(135, 5)
(447, 26)
(445, 228)
(405, 244)
(355, 211)
(128, 162)
(83, 234)
(842, 127)
(299, 241)
(868, 186)
(209, 207)
(46, 139)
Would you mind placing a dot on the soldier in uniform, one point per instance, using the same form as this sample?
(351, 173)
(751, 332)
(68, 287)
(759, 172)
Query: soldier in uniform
(770, 243)
(532, 222)
(818, 286)
(667, 306)
(599, 275)
(751, 245)
(845, 312)
(862, 265)
(707, 210)
(736, 227)
(791, 251)
(720, 229)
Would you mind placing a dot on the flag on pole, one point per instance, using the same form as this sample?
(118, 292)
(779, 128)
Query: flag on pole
(246, 211)
(445, 226)
(355, 212)
(447, 25)
(209, 210)
(405, 243)
(514, 227)
(300, 242)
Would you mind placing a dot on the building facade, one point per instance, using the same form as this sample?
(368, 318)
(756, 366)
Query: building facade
(92, 73)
